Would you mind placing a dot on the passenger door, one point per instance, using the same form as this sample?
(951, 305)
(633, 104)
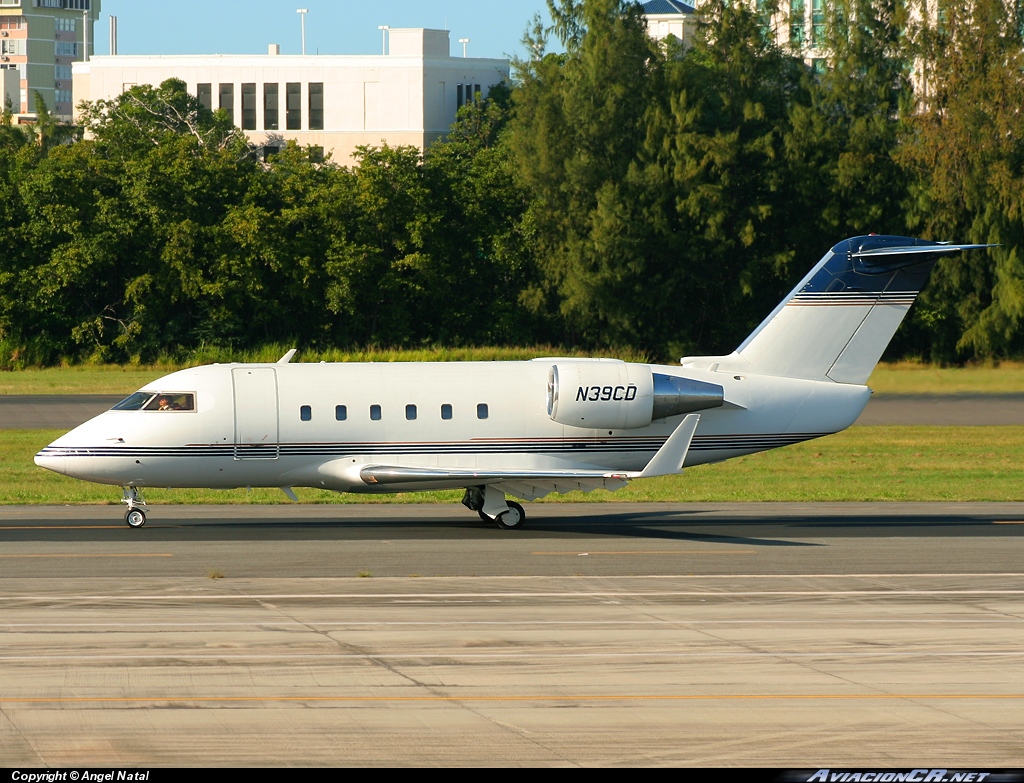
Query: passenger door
(256, 416)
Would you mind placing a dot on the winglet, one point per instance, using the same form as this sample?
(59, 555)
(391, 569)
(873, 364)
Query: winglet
(671, 455)
(287, 357)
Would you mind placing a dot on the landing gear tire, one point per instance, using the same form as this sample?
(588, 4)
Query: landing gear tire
(484, 517)
(135, 517)
(513, 519)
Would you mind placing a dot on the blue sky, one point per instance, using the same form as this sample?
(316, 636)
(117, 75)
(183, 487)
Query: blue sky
(332, 26)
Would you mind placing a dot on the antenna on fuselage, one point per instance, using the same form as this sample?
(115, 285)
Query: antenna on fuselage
(287, 357)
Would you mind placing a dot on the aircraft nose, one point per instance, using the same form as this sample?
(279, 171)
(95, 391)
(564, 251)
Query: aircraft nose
(45, 459)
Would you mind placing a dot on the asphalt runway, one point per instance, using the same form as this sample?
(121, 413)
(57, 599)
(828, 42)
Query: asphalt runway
(40, 411)
(51, 411)
(788, 635)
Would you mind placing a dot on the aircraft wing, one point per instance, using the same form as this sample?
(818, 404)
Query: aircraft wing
(536, 483)
(521, 483)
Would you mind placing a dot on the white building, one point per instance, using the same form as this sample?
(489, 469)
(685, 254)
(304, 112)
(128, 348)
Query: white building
(670, 17)
(408, 96)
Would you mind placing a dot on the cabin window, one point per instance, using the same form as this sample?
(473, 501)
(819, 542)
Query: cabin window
(410, 412)
(481, 410)
(340, 412)
(171, 401)
(305, 413)
(446, 411)
(374, 413)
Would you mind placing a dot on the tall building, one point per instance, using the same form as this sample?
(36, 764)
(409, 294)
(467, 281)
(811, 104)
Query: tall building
(798, 25)
(40, 39)
(408, 96)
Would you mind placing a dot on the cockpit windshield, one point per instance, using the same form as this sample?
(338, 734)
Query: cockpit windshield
(133, 402)
(160, 401)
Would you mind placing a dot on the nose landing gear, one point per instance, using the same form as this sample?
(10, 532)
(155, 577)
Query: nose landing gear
(491, 505)
(134, 516)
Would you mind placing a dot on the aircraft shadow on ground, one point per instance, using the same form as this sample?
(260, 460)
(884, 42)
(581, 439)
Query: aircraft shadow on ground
(685, 526)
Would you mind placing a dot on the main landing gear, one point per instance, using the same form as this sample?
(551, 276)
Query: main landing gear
(134, 516)
(491, 505)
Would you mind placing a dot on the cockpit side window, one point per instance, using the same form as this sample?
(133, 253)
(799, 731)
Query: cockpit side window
(171, 401)
(133, 402)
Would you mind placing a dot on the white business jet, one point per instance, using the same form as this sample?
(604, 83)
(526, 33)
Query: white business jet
(522, 428)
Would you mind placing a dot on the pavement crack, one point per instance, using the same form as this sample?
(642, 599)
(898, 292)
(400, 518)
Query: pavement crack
(24, 738)
(433, 690)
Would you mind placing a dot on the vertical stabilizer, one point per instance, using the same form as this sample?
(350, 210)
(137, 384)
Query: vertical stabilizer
(837, 322)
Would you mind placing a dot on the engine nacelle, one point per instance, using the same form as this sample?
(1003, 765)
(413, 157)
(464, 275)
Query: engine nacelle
(619, 396)
(601, 395)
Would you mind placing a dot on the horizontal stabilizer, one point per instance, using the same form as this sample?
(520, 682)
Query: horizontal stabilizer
(937, 247)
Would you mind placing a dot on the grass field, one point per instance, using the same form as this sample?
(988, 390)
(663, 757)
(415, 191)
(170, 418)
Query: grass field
(860, 464)
(901, 378)
(912, 378)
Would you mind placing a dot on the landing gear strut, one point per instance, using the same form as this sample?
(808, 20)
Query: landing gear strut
(491, 505)
(134, 516)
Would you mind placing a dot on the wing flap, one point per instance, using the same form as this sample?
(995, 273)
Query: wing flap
(534, 490)
(393, 474)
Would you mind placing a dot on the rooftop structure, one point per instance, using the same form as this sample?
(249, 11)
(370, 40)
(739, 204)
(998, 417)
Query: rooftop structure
(670, 17)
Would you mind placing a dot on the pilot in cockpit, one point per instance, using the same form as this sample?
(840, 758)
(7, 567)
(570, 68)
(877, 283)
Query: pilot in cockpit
(167, 404)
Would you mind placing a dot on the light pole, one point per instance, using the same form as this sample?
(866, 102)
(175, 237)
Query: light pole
(383, 37)
(302, 14)
(463, 41)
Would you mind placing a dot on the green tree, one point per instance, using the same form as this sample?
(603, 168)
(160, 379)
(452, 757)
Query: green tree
(11, 135)
(145, 117)
(483, 257)
(964, 152)
(720, 193)
(577, 126)
(125, 230)
(47, 130)
(842, 142)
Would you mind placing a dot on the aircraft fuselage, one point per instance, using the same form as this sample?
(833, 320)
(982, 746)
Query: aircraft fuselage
(316, 425)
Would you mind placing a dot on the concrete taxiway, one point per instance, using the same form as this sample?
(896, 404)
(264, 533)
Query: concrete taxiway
(605, 634)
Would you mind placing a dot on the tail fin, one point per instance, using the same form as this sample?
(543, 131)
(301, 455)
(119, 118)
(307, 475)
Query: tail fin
(837, 322)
